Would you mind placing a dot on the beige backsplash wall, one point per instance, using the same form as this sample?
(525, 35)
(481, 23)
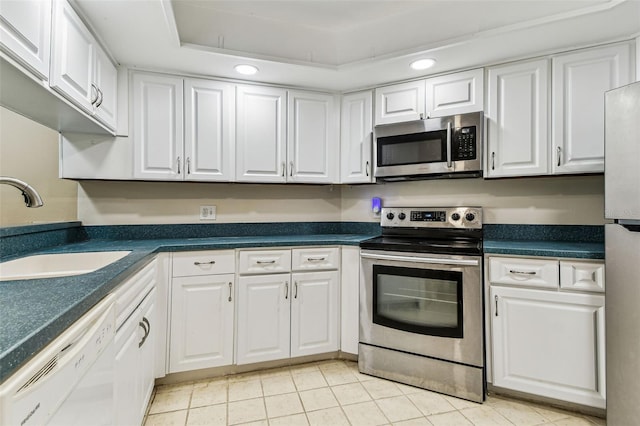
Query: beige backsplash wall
(108, 203)
(550, 200)
(29, 151)
(553, 200)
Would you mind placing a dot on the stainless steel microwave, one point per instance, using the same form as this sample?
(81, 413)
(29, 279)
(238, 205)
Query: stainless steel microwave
(442, 147)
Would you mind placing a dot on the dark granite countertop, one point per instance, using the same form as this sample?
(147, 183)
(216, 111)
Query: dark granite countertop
(34, 312)
(572, 241)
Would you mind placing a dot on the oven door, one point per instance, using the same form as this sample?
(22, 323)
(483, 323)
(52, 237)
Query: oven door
(424, 304)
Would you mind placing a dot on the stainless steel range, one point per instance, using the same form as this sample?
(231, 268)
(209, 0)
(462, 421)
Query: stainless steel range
(421, 315)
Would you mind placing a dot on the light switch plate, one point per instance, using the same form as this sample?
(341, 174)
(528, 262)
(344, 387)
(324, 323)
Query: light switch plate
(207, 212)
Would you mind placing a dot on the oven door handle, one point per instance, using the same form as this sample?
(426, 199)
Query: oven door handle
(431, 260)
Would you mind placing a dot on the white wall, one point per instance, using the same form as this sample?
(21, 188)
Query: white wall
(29, 151)
(551, 200)
(107, 203)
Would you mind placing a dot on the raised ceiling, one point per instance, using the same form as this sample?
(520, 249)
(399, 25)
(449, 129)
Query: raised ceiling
(343, 45)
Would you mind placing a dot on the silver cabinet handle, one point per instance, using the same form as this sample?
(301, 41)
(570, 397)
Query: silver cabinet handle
(316, 259)
(178, 162)
(211, 262)
(99, 102)
(290, 168)
(188, 165)
(94, 99)
(449, 162)
(366, 168)
(283, 167)
(295, 296)
(230, 286)
(496, 299)
(513, 271)
(286, 289)
(493, 161)
(146, 326)
(559, 151)
(265, 262)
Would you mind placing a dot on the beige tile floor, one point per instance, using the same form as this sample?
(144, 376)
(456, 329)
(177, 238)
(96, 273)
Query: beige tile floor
(335, 393)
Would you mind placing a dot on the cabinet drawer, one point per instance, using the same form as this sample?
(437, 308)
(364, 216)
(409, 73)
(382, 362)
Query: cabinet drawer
(130, 293)
(264, 261)
(583, 276)
(193, 263)
(523, 272)
(322, 258)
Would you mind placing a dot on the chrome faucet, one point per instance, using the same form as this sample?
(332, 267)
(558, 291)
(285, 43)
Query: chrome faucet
(31, 196)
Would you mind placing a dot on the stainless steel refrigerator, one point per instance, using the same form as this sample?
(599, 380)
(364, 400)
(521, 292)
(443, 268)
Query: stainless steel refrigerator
(622, 255)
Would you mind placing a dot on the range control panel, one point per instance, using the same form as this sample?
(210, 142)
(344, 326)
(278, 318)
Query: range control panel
(428, 217)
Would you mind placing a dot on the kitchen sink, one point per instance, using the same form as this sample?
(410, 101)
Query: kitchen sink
(57, 264)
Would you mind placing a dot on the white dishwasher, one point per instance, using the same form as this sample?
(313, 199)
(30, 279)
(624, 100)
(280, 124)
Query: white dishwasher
(70, 382)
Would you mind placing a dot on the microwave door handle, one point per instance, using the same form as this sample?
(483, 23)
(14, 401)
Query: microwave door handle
(449, 163)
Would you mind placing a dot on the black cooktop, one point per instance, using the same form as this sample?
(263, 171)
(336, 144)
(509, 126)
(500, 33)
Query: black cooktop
(460, 246)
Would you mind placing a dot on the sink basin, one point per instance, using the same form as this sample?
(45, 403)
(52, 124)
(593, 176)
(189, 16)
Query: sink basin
(58, 264)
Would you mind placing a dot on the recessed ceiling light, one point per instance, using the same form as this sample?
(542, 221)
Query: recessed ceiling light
(423, 64)
(246, 69)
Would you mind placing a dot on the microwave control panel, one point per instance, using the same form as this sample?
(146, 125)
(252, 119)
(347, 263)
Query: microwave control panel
(463, 143)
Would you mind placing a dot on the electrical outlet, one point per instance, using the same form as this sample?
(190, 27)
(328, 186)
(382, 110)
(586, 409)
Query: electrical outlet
(207, 212)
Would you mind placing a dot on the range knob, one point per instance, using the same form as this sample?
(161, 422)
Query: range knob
(402, 216)
(455, 216)
(470, 217)
(390, 216)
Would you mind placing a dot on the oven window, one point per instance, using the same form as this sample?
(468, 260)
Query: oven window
(416, 148)
(424, 301)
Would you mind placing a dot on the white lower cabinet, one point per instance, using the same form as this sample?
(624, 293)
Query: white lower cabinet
(282, 315)
(263, 318)
(547, 341)
(134, 370)
(314, 313)
(202, 310)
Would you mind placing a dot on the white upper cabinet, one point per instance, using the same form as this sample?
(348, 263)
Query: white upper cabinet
(449, 94)
(25, 33)
(73, 59)
(209, 130)
(579, 82)
(313, 138)
(80, 70)
(400, 102)
(517, 111)
(106, 81)
(456, 93)
(356, 138)
(260, 138)
(157, 127)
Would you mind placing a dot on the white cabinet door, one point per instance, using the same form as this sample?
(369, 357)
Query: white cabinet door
(25, 33)
(516, 114)
(147, 362)
(127, 384)
(201, 322)
(313, 144)
(106, 81)
(400, 102)
(456, 93)
(134, 365)
(549, 344)
(350, 299)
(579, 82)
(73, 58)
(356, 138)
(260, 138)
(315, 304)
(263, 318)
(209, 149)
(157, 127)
